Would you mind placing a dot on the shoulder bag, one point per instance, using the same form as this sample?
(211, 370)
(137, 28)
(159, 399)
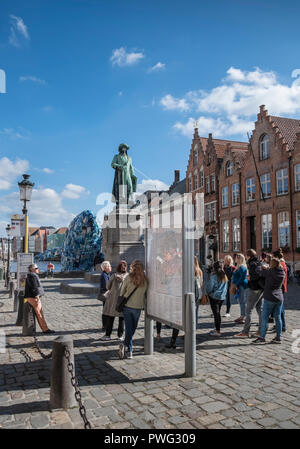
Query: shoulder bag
(122, 300)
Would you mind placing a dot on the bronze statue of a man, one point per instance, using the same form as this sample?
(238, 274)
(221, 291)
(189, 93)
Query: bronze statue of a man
(124, 181)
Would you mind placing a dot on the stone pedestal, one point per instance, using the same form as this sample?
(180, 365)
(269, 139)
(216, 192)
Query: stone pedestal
(123, 237)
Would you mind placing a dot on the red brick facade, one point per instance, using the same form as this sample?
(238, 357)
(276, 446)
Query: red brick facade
(254, 198)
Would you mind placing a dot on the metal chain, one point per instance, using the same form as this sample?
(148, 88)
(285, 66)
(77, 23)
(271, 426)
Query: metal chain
(74, 382)
(36, 345)
(24, 353)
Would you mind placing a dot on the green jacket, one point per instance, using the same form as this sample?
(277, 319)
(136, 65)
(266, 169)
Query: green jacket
(136, 301)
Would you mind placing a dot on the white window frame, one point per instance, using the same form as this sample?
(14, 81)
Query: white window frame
(225, 195)
(283, 225)
(266, 231)
(297, 177)
(213, 183)
(264, 184)
(196, 180)
(264, 148)
(250, 189)
(235, 194)
(225, 235)
(229, 168)
(207, 184)
(201, 176)
(282, 178)
(210, 212)
(236, 234)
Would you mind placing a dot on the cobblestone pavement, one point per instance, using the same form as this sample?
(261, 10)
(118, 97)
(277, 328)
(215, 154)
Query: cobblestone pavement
(238, 385)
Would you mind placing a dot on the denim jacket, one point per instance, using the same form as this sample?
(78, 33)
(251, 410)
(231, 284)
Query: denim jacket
(216, 289)
(239, 277)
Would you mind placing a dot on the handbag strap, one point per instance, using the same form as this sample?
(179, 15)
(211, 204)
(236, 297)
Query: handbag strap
(131, 293)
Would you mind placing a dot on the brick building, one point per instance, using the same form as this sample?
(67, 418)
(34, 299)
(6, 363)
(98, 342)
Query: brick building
(252, 192)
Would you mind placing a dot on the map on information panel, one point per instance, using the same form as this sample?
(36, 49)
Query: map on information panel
(165, 274)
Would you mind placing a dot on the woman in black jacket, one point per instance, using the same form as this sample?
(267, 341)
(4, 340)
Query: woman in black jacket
(33, 291)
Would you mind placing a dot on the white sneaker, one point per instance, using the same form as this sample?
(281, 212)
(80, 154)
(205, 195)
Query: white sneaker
(121, 351)
(128, 354)
(120, 338)
(105, 338)
(227, 315)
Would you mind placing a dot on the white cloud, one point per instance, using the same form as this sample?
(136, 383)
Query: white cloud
(121, 58)
(9, 171)
(231, 107)
(73, 191)
(18, 30)
(48, 171)
(170, 103)
(157, 67)
(295, 73)
(45, 208)
(15, 134)
(34, 79)
(151, 184)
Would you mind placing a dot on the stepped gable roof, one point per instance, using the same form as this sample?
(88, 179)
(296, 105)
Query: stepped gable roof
(288, 127)
(221, 146)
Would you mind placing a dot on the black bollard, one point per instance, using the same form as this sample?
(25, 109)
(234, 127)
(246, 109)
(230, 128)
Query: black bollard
(16, 293)
(62, 392)
(12, 286)
(28, 320)
(20, 309)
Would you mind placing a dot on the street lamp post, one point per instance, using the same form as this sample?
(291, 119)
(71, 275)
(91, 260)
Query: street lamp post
(26, 187)
(8, 229)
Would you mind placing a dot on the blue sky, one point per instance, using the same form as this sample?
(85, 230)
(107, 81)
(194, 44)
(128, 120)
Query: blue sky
(83, 76)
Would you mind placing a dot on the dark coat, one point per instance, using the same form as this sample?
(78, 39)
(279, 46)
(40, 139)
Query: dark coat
(273, 287)
(256, 282)
(104, 278)
(33, 286)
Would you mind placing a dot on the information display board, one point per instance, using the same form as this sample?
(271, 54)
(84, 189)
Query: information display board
(164, 263)
(24, 260)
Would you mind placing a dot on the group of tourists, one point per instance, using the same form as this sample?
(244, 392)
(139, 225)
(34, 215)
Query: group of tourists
(132, 287)
(259, 283)
(255, 282)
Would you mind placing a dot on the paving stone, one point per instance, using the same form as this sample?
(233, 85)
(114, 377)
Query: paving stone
(267, 422)
(288, 425)
(214, 407)
(282, 414)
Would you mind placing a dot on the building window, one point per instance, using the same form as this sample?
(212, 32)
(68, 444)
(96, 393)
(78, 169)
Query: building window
(264, 152)
(196, 155)
(297, 177)
(207, 184)
(229, 168)
(213, 183)
(265, 182)
(190, 183)
(195, 180)
(235, 194)
(298, 227)
(210, 212)
(226, 235)
(283, 229)
(266, 231)
(225, 197)
(236, 235)
(250, 189)
(282, 181)
(201, 177)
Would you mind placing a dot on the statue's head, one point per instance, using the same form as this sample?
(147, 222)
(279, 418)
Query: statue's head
(123, 148)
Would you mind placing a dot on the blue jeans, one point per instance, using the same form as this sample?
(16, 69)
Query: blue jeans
(268, 308)
(131, 319)
(242, 300)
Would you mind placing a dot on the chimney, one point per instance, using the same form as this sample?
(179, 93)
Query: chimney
(176, 176)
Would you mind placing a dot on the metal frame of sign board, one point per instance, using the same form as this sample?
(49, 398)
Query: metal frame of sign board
(187, 261)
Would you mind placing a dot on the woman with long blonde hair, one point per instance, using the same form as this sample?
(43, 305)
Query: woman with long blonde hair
(239, 279)
(134, 288)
